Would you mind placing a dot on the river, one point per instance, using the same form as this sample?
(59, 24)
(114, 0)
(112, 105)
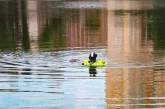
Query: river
(43, 44)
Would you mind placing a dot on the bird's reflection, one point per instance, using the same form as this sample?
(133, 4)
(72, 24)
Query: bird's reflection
(92, 71)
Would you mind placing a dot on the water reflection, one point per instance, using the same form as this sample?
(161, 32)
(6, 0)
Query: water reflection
(132, 83)
(128, 37)
(157, 30)
(129, 5)
(43, 42)
(40, 27)
(13, 26)
(92, 71)
(85, 28)
(134, 88)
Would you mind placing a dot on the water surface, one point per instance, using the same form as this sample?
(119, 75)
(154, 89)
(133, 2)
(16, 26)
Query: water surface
(43, 43)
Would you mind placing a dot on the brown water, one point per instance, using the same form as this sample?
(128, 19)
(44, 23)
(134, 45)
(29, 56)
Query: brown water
(43, 43)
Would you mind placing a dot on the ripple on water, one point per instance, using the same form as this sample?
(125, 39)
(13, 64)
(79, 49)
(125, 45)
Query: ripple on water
(48, 78)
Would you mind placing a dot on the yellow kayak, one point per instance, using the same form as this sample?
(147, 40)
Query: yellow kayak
(98, 63)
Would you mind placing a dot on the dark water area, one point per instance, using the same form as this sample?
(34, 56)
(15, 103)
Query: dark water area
(43, 43)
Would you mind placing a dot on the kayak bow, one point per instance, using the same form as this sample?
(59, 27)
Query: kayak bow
(98, 63)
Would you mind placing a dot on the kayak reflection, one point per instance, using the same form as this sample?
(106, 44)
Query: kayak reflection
(92, 71)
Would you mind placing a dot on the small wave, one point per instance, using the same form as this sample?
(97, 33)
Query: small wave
(133, 66)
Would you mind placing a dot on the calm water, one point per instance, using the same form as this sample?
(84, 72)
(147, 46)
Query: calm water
(43, 42)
